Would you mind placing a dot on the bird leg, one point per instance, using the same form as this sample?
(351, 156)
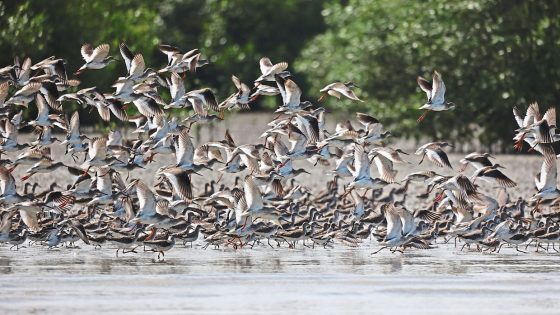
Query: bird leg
(422, 160)
(500, 247)
(86, 171)
(11, 169)
(421, 118)
(519, 143)
(517, 249)
(151, 157)
(26, 176)
(382, 248)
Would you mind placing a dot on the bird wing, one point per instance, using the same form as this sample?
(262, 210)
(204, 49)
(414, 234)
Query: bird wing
(309, 126)
(549, 172)
(438, 89)
(127, 55)
(426, 86)
(265, 65)
(146, 198)
(7, 182)
(361, 162)
(293, 93)
(42, 108)
(236, 81)
(181, 183)
(137, 65)
(198, 106)
(518, 118)
(103, 111)
(394, 223)
(550, 116)
(87, 51)
(98, 148)
(147, 106)
(438, 157)
(100, 53)
(104, 182)
(533, 115)
(176, 88)
(4, 88)
(210, 99)
(385, 168)
(185, 149)
(118, 111)
(252, 194)
(346, 91)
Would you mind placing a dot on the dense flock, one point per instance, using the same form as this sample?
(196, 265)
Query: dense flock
(105, 206)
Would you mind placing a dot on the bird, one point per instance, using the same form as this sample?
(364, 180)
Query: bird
(435, 154)
(435, 93)
(95, 58)
(303, 176)
(338, 89)
(269, 70)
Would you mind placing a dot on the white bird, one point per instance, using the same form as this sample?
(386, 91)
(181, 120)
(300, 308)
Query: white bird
(435, 93)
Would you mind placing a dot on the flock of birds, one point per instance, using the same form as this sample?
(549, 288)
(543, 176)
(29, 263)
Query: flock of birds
(267, 205)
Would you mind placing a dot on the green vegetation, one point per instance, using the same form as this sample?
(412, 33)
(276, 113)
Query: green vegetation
(492, 54)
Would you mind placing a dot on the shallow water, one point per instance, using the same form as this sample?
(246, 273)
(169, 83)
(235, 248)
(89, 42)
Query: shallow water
(340, 280)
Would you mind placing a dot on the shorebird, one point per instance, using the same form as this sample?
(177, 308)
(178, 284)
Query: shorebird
(177, 92)
(435, 154)
(269, 70)
(291, 96)
(435, 93)
(493, 175)
(548, 176)
(97, 58)
(362, 175)
(161, 246)
(126, 244)
(239, 99)
(477, 160)
(264, 199)
(338, 89)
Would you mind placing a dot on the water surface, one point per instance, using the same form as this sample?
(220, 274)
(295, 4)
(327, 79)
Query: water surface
(340, 280)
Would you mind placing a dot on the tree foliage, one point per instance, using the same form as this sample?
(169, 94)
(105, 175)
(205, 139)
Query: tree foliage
(492, 54)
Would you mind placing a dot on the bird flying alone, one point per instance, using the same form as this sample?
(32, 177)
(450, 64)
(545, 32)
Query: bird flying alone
(435, 93)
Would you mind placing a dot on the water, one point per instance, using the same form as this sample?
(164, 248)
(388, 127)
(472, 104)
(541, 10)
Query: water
(340, 280)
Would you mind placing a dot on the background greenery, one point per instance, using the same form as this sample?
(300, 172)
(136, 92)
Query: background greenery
(492, 54)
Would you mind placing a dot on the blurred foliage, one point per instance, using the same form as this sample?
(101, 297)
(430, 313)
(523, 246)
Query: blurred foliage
(492, 54)
(234, 35)
(39, 29)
